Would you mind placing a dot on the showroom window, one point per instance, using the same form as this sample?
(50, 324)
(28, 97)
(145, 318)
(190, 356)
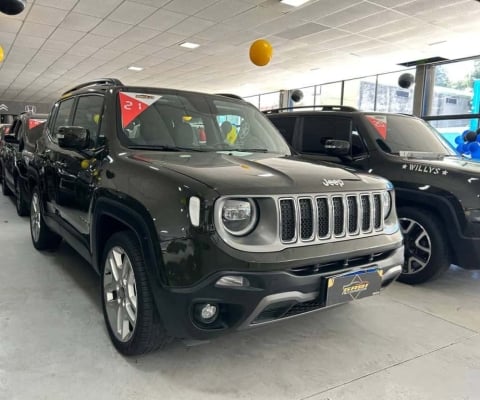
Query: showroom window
(453, 105)
(269, 101)
(454, 88)
(330, 93)
(360, 93)
(392, 98)
(307, 100)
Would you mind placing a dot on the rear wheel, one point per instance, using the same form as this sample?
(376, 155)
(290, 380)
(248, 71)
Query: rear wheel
(42, 237)
(22, 206)
(427, 253)
(129, 310)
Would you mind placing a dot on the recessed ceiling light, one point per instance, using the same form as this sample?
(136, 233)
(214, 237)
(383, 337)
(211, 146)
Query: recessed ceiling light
(294, 3)
(133, 68)
(189, 45)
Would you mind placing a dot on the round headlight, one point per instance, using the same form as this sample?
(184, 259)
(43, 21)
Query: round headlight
(239, 216)
(387, 203)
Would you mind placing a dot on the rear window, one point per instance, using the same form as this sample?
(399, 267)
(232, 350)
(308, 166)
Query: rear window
(398, 133)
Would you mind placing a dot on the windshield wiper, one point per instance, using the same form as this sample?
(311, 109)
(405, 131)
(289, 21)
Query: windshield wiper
(163, 148)
(247, 150)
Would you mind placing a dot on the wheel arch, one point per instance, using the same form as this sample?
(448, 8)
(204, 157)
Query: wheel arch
(442, 207)
(111, 215)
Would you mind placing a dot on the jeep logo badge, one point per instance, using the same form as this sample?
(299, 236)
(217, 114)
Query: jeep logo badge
(333, 182)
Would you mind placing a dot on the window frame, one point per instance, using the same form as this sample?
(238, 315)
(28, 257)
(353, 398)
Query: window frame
(51, 134)
(74, 113)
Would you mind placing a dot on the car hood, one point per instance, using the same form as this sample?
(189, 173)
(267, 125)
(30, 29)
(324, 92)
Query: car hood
(258, 173)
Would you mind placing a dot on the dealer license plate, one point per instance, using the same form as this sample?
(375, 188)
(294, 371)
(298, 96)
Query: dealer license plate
(353, 286)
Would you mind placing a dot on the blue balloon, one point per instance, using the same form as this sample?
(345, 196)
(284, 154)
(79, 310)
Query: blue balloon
(459, 139)
(473, 147)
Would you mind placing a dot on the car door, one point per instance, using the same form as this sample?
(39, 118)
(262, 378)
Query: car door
(10, 151)
(314, 130)
(76, 174)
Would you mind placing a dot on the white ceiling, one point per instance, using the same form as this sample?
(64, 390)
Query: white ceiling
(55, 44)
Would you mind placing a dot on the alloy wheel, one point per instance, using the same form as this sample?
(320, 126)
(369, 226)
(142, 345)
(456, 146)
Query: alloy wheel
(418, 246)
(35, 217)
(120, 294)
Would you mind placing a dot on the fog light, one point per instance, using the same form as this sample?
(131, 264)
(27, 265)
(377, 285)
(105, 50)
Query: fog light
(206, 313)
(232, 281)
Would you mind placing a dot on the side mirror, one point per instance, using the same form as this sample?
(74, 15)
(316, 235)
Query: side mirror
(337, 147)
(73, 137)
(10, 139)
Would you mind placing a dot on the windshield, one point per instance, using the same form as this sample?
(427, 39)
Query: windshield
(184, 121)
(399, 133)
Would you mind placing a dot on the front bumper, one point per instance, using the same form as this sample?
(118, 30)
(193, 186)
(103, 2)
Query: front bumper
(271, 295)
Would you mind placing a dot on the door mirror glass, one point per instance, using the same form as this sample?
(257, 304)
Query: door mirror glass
(73, 137)
(337, 147)
(10, 139)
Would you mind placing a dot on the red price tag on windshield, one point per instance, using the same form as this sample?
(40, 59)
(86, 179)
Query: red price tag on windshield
(133, 104)
(379, 122)
(32, 123)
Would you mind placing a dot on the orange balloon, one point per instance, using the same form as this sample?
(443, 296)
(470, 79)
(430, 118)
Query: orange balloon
(261, 52)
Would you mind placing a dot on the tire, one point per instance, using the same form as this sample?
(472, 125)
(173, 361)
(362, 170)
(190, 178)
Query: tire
(22, 206)
(126, 293)
(427, 252)
(42, 237)
(5, 190)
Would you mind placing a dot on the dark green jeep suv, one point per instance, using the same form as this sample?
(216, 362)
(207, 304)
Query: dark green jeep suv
(196, 217)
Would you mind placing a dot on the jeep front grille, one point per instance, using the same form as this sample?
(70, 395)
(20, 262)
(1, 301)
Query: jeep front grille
(323, 218)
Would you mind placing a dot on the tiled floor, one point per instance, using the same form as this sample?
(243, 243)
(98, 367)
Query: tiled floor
(409, 343)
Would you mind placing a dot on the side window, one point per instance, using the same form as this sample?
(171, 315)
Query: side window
(88, 114)
(286, 126)
(63, 116)
(317, 130)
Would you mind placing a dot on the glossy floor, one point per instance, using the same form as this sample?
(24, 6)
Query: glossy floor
(409, 343)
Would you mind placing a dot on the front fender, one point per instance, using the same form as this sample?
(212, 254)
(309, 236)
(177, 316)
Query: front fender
(114, 211)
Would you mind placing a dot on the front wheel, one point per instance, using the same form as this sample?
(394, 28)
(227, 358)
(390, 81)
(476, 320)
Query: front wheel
(42, 237)
(132, 320)
(427, 253)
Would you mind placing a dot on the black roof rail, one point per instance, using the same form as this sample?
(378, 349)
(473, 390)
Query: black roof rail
(325, 107)
(102, 81)
(231, 95)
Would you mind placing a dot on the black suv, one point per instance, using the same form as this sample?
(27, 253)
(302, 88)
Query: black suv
(436, 189)
(15, 156)
(196, 217)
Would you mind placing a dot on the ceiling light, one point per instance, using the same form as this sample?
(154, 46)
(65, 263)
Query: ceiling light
(189, 45)
(294, 3)
(133, 68)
